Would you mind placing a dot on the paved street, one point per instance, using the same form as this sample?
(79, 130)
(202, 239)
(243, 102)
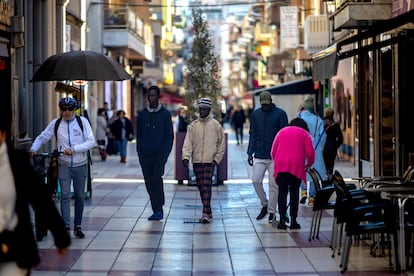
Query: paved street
(238, 169)
(121, 241)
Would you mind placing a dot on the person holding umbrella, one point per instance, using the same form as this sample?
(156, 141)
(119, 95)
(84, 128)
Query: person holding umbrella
(74, 137)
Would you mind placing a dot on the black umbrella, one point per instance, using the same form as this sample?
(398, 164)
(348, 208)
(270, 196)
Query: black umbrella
(80, 65)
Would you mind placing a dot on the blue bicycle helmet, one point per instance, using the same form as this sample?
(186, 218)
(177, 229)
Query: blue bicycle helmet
(68, 103)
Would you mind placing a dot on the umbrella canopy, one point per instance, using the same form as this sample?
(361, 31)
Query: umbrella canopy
(80, 65)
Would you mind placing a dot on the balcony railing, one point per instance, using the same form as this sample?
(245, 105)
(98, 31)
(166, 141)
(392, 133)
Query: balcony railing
(123, 18)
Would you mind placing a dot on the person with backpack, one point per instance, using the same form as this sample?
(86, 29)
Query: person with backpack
(74, 138)
(317, 131)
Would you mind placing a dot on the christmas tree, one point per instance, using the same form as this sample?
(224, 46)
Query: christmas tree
(202, 76)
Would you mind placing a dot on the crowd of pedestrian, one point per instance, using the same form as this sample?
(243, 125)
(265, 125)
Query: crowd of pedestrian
(284, 150)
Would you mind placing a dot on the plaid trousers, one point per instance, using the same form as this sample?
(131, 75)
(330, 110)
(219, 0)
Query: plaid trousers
(204, 175)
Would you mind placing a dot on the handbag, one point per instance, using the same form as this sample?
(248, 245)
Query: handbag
(7, 246)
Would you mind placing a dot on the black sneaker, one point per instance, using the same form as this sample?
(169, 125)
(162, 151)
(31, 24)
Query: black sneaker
(281, 226)
(304, 194)
(271, 217)
(295, 225)
(156, 216)
(78, 232)
(263, 213)
(303, 200)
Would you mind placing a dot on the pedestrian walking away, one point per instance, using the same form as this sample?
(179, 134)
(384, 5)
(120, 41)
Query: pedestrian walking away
(155, 136)
(74, 137)
(292, 153)
(21, 191)
(237, 121)
(317, 131)
(204, 145)
(265, 123)
(123, 132)
(334, 139)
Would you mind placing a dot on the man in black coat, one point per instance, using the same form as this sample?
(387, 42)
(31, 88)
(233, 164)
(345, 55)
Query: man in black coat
(30, 191)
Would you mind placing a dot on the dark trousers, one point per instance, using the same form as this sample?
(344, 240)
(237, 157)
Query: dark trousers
(204, 178)
(288, 184)
(239, 133)
(329, 157)
(153, 169)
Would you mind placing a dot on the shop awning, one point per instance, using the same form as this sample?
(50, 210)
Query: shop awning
(296, 87)
(325, 63)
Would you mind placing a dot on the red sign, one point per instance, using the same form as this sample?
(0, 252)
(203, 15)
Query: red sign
(2, 64)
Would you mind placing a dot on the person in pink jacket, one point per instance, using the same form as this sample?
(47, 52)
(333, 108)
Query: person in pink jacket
(292, 152)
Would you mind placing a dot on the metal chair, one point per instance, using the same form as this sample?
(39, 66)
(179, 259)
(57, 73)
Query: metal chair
(361, 213)
(322, 202)
(375, 219)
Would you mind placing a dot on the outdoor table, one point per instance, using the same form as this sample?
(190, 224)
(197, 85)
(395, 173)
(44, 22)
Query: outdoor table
(399, 194)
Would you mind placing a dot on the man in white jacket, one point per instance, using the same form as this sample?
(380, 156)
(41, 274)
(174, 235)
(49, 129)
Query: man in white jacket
(74, 138)
(204, 144)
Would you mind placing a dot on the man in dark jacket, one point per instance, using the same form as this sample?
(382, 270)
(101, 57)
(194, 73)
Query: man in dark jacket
(237, 121)
(29, 192)
(265, 122)
(155, 138)
(123, 132)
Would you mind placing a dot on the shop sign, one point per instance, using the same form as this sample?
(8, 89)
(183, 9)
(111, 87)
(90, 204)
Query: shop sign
(289, 29)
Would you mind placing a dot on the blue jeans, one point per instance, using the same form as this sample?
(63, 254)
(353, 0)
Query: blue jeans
(122, 145)
(67, 175)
